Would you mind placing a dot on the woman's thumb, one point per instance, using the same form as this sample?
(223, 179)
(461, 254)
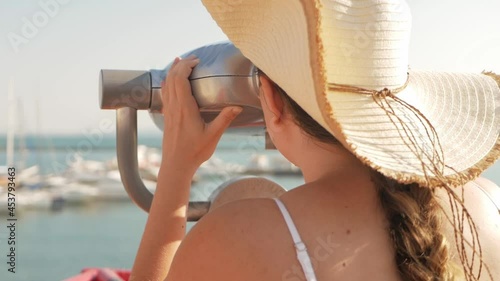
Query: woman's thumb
(224, 119)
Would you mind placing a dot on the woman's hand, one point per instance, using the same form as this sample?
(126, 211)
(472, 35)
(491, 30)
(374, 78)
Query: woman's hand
(187, 140)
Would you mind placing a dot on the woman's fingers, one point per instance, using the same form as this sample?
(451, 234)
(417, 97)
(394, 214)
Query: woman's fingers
(167, 87)
(183, 66)
(177, 74)
(183, 89)
(179, 86)
(176, 60)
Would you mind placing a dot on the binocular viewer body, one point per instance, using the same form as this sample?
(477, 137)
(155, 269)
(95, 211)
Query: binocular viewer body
(224, 77)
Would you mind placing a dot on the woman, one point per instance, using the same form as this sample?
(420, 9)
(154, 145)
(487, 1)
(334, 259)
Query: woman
(375, 143)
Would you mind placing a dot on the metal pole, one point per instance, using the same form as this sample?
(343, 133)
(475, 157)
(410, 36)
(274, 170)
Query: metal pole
(126, 151)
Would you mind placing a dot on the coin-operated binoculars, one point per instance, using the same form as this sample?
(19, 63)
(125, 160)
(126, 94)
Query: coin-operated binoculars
(224, 77)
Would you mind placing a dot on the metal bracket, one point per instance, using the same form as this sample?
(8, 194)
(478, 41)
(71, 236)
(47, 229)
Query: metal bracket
(126, 151)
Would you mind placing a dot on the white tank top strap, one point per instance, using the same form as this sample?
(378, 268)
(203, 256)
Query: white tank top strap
(300, 247)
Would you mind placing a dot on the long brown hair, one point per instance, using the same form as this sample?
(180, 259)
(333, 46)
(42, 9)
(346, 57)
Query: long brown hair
(413, 213)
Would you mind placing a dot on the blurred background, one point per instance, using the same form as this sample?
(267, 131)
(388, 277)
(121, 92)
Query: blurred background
(51, 52)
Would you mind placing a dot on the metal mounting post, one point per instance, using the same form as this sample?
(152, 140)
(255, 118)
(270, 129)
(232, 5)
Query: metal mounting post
(126, 151)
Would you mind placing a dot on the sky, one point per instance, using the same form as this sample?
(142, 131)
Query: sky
(55, 68)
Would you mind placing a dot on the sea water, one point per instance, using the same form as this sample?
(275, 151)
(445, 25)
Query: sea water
(54, 245)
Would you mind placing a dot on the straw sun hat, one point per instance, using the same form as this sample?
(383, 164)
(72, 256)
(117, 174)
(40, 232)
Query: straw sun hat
(345, 63)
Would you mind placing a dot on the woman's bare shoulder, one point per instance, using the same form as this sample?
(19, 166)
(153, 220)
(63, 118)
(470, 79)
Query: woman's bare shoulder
(489, 188)
(225, 243)
(481, 197)
(239, 215)
(482, 200)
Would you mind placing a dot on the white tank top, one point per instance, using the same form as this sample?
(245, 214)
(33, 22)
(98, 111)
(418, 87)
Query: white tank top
(301, 249)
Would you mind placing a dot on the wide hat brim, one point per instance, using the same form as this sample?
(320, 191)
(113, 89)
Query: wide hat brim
(306, 46)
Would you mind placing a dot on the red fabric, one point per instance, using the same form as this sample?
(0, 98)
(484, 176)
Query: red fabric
(123, 273)
(86, 275)
(101, 274)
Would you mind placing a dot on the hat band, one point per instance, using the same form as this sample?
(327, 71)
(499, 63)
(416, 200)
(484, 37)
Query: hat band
(385, 92)
(432, 161)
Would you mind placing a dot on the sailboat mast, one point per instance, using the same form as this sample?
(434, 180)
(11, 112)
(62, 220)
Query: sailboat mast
(21, 136)
(11, 124)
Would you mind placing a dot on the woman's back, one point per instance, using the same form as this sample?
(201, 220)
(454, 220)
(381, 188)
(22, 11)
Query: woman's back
(340, 222)
(346, 235)
(346, 231)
